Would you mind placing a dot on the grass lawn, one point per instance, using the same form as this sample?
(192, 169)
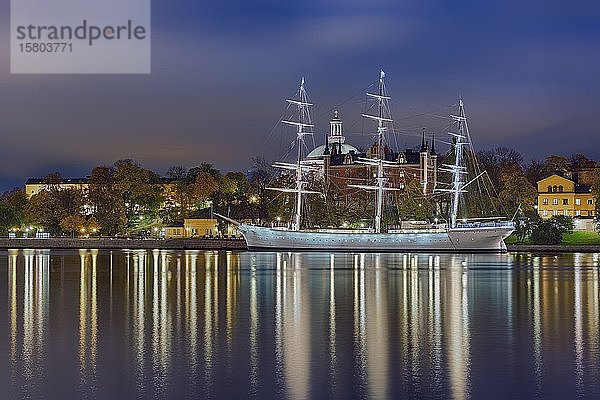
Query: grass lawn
(581, 237)
(575, 238)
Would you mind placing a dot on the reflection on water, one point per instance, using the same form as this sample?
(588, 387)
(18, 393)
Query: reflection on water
(166, 324)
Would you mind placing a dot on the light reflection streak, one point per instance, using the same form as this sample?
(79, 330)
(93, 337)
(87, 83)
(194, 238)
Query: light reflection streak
(160, 322)
(208, 324)
(12, 310)
(253, 330)
(537, 326)
(437, 330)
(578, 330)
(295, 330)
(593, 343)
(414, 320)
(88, 321)
(231, 301)
(377, 339)
(191, 259)
(279, 320)
(28, 316)
(332, 322)
(457, 334)
(138, 328)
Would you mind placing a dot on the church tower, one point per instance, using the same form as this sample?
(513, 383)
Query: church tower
(424, 162)
(336, 132)
(434, 157)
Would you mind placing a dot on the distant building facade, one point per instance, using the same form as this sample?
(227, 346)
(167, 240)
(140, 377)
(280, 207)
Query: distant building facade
(559, 195)
(192, 228)
(341, 162)
(35, 185)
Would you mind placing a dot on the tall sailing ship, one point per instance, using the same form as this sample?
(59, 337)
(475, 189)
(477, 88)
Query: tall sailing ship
(456, 234)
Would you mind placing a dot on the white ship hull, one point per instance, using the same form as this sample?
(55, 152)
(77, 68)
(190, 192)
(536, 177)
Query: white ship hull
(484, 238)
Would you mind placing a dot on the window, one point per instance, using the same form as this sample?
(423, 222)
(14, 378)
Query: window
(555, 202)
(560, 188)
(578, 213)
(566, 213)
(545, 202)
(565, 202)
(549, 189)
(545, 213)
(555, 212)
(577, 202)
(554, 188)
(590, 202)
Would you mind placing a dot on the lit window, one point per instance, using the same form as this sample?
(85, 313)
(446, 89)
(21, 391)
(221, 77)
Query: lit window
(555, 202)
(577, 202)
(578, 213)
(545, 213)
(554, 212)
(566, 213)
(590, 202)
(545, 202)
(565, 202)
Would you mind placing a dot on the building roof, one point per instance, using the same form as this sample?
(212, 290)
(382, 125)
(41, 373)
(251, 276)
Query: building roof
(320, 151)
(583, 189)
(175, 225)
(63, 181)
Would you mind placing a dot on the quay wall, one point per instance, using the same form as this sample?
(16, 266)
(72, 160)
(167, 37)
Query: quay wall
(107, 243)
(218, 244)
(556, 248)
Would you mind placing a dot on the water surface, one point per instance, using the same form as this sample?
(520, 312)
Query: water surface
(169, 324)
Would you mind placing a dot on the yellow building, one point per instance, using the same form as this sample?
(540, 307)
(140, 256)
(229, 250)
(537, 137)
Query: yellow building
(193, 227)
(561, 196)
(36, 185)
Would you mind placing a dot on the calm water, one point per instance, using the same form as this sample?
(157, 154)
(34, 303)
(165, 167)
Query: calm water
(167, 324)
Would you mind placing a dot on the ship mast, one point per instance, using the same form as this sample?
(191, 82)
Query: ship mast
(380, 155)
(458, 170)
(382, 119)
(304, 126)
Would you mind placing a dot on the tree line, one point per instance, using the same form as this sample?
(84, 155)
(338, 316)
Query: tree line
(126, 198)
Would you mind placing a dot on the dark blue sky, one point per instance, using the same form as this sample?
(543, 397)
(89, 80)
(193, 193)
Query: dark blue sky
(527, 70)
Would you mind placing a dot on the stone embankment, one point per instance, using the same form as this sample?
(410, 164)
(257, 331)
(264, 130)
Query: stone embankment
(218, 244)
(108, 243)
(557, 248)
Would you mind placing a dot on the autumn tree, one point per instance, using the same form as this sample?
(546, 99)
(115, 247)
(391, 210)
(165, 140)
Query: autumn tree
(261, 175)
(107, 205)
(49, 207)
(139, 188)
(499, 162)
(596, 191)
(12, 209)
(554, 164)
(413, 204)
(92, 225)
(204, 187)
(72, 223)
(517, 192)
(534, 172)
(233, 190)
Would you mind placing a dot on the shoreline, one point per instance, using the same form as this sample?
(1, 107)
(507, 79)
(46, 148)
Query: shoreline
(220, 245)
(553, 248)
(114, 244)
